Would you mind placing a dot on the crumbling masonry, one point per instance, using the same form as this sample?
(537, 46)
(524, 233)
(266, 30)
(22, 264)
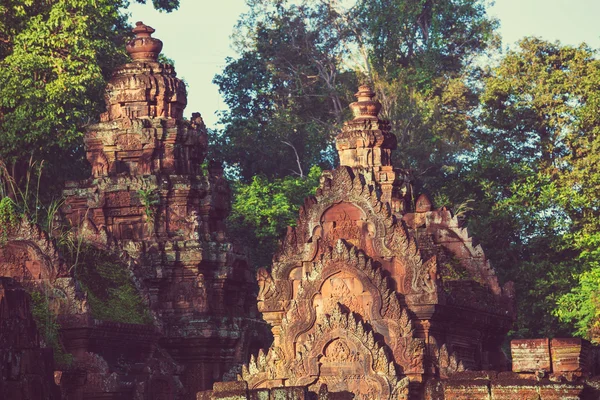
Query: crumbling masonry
(374, 294)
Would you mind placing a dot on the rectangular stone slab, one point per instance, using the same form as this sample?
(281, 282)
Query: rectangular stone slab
(530, 355)
(570, 355)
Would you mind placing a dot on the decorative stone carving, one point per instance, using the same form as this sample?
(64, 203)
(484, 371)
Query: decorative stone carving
(359, 251)
(341, 353)
(30, 255)
(150, 199)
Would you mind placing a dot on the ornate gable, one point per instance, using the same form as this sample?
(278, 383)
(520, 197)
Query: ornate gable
(359, 296)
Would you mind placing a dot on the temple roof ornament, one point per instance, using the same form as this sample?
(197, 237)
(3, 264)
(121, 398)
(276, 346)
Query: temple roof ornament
(144, 46)
(366, 106)
(366, 141)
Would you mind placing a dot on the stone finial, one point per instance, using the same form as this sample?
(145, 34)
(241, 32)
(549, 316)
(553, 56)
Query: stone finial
(365, 107)
(366, 141)
(144, 47)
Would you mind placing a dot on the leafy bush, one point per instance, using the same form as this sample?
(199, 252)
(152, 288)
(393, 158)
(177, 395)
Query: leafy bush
(8, 218)
(263, 209)
(111, 294)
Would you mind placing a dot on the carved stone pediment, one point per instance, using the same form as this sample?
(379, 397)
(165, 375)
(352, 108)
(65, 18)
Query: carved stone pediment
(341, 352)
(340, 301)
(363, 277)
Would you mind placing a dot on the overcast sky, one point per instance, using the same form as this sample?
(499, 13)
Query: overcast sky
(197, 36)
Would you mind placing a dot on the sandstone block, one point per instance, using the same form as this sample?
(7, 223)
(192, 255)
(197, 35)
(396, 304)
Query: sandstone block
(531, 355)
(571, 355)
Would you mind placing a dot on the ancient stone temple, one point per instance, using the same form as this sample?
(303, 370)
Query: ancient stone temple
(371, 295)
(374, 294)
(152, 199)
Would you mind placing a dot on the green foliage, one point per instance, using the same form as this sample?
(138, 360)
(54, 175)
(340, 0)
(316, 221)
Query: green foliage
(48, 327)
(23, 199)
(111, 294)
(453, 269)
(51, 82)
(165, 60)
(286, 93)
(262, 209)
(149, 199)
(301, 62)
(581, 306)
(432, 126)
(533, 174)
(8, 218)
(163, 5)
(429, 38)
(423, 77)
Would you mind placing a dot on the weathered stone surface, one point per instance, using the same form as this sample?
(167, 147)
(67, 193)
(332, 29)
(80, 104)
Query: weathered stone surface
(571, 355)
(527, 389)
(29, 256)
(467, 390)
(230, 390)
(239, 391)
(26, 367)
(531, 355)
(490, 385)
(366, 141)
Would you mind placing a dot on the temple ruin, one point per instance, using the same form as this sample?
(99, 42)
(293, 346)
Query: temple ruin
(154, 206)
(374, 294)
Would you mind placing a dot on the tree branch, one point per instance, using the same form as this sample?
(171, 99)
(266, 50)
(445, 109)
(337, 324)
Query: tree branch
(301, 173)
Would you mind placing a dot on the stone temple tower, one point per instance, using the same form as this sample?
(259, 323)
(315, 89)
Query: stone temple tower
(372, 293)
(153, 197)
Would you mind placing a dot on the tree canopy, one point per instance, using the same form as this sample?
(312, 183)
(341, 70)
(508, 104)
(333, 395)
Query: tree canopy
(532, 175)
(301, 62)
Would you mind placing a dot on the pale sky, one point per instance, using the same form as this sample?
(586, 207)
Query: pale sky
(197, 36)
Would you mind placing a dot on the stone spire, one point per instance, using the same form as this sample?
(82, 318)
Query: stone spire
(366, 144)
(144, 87)
(150, 197)
(365, 107)
(366, 141)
